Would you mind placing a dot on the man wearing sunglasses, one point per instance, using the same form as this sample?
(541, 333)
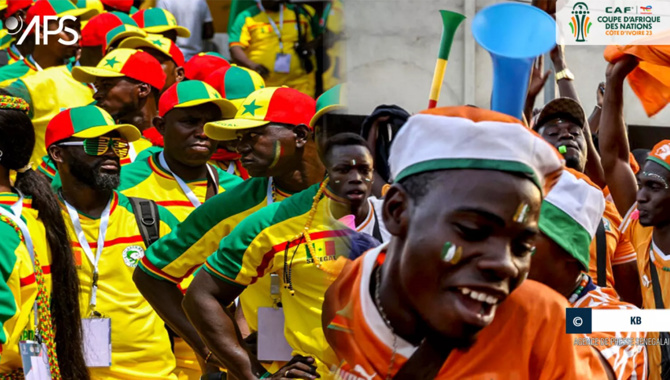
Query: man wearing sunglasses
(280, 154)
(87, 147)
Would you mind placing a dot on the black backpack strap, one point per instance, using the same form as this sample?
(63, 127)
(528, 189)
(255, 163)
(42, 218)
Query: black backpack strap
(148, 219)
(601, 254)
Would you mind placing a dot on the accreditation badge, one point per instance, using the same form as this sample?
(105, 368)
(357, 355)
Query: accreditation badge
(97, 342)
(283, 63)
(35, 360)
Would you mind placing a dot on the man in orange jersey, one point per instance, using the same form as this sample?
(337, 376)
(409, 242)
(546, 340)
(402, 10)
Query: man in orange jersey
(427, 307)
(570, 216)
(645, 206)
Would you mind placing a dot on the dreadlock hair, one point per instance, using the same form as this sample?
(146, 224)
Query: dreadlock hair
(16, 142)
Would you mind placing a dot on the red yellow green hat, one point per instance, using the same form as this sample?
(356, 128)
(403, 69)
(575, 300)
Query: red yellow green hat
(235, 83)
(86, 122)
(135, 64)
(268, 105)
(330, 101)
(157, 42)
(14, 5)
(193, 93)
(96, 29)
(91, 4)
(157, 20)
(122, 5)
(121, 32)
(58, 8)
(203, 64)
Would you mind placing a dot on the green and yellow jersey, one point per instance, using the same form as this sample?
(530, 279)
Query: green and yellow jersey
(18, 288)
(179, 254)
(253, 32)
(140, 343)
(267, 242)
(19, 69)
(48, 92)
(149, 179)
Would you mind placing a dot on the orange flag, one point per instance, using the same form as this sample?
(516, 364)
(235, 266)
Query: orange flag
(650, 81)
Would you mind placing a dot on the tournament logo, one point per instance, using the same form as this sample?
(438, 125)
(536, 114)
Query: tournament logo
(132, 255)
(580, 23)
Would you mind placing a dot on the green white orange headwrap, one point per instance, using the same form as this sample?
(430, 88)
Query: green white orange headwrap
(13, 103)
(330, 101)
(661, 154)
(472, 138)
(571, 213)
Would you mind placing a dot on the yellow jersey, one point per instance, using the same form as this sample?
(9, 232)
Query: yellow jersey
(140, 342)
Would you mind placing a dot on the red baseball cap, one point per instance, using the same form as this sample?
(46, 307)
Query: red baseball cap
(58, 8)
(203, 64)
(15, 5)
(122, 5)
(268, 105)
(135, 64)
(93, 34)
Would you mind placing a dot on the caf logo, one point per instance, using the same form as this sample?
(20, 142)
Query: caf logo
(132, 255)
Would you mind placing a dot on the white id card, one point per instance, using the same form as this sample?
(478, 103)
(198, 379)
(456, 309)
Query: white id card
(283, 63)
(35, 360)
(272, 344)
(97, 341)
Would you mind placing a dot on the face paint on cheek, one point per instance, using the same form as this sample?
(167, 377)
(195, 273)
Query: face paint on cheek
(451, 253)
(521, 213)
(278, 151)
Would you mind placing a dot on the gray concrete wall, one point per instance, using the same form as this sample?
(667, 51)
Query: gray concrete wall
(392, 47)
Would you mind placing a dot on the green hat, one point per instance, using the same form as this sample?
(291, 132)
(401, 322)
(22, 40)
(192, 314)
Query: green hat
(121, 32)
(330, 101)
(193, 93)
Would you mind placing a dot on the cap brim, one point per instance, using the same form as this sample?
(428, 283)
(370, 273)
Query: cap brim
(228, 109)
(227, 129)
(127, 34)
(181, 31)
(136, 42)
(127, 131)
(89, 74)
(325, 110)
(82, 13)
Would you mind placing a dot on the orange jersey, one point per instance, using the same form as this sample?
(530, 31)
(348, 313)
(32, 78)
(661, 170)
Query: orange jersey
(641, 237)
(629, 361)
(619, 248)
(526, 340)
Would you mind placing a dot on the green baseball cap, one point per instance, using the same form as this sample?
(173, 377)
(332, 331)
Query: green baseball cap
(86, 122)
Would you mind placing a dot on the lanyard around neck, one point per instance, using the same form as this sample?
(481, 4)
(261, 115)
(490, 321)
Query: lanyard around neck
(274, 25)
(81, 237)
(184, 187)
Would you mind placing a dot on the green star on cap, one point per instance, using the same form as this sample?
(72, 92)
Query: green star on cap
(111, 62)
(251, 108)
(157, 42)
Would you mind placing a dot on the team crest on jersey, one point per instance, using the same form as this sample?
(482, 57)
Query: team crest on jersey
(607, 225)
(132, 255)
